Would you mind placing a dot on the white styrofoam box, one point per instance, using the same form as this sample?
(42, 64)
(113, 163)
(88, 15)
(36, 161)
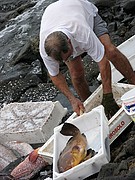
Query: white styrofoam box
(117, 124)
(31, 122)
(94, 125)
(127, 49)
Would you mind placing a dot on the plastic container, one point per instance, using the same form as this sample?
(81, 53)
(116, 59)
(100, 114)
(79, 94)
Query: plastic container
(47, 150)
(128, 100)
(94, 125)
(130, 113)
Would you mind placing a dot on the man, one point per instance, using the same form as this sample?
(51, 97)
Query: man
(70, 28)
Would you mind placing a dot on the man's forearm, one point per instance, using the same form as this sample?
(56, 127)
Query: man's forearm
(105, 71)
(60, 82)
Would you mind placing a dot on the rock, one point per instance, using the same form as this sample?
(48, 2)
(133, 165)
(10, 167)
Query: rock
(41, 92)
(11, 91)
(103, 3)
(107, 171)
(112, 27)
(129, 7)
(11, 9)
(122, 164)
(17, 46)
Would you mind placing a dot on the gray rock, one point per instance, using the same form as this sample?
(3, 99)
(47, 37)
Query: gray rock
(129, 7)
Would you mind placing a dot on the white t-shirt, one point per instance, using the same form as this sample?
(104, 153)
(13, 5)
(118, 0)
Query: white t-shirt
(75, 19)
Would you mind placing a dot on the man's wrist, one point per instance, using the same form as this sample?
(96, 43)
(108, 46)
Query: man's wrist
(108, 95)
(107, 98)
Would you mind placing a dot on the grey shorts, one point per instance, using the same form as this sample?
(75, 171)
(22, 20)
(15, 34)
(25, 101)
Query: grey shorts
(100, 26)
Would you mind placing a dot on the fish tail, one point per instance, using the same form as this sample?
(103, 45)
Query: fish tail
(69, 129)
(33, 155)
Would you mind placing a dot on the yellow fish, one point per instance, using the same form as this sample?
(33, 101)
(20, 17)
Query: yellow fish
(75, 150)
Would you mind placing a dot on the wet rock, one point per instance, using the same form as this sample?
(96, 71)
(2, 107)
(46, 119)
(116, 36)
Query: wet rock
(11, 9)
(41, 92)
(17, 47)
(11, 91)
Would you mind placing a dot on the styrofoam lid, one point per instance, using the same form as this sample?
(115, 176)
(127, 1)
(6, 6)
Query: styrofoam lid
(128, 95)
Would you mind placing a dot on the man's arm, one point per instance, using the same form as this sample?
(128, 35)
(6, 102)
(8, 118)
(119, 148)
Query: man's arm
(60, 82)
(108, 101)
(105, 70)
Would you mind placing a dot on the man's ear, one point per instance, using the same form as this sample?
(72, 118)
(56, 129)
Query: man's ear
(69, 41)
(70, 45)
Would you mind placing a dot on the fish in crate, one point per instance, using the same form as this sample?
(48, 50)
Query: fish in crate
(75, 150)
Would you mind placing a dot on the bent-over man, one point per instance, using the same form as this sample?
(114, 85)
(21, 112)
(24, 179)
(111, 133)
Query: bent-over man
(69, 28)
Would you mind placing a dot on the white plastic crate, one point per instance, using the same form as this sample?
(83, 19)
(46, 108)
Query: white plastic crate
(47, 150)
(117, 124)
(94, 125)
(31, 122)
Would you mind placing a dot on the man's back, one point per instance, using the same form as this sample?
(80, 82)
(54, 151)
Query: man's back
(65, 14)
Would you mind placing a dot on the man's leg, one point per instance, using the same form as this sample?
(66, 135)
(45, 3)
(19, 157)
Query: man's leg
(120, 61)
(76, 70)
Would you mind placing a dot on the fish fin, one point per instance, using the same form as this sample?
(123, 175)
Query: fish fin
(70, 139)
(84, 135)
(33, 155)
(69, 129)
(90, 154)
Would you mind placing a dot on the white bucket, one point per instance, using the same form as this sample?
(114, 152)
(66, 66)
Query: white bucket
(128, 100)
(131, 113)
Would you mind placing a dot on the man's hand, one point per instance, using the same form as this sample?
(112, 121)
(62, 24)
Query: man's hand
(110, 105)
(77, 106)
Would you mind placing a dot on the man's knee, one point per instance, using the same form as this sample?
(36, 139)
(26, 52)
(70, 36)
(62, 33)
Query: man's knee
(111, 52)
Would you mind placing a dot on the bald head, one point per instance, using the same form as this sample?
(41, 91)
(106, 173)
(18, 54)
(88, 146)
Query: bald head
(55, 44)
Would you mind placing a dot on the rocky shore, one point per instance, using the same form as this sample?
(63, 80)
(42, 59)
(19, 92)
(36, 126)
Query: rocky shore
(24, 76)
